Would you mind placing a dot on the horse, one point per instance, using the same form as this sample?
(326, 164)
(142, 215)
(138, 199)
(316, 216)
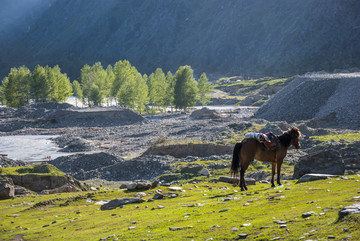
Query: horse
(250, 149)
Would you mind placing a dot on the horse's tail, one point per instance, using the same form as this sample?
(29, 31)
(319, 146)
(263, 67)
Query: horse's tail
(235, 164)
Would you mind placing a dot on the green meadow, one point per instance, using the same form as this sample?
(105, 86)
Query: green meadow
(204, 210)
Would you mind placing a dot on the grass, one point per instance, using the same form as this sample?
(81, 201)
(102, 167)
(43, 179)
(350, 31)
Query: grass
(200, 212)
(351, 136)
(39, 169)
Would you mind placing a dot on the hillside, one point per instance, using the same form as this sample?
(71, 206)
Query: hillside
(333, 99)
(234, 37)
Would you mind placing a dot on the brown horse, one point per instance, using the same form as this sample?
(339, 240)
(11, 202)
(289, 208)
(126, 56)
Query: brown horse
(250, 149)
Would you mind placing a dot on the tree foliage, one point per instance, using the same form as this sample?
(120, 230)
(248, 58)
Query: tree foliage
(15, 88)
(97, 85)
(204, 89)
(185, 90)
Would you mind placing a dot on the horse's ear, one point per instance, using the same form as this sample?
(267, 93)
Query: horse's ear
(295, 132)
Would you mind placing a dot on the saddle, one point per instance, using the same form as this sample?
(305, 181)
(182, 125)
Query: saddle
(271, 142)
(268, 140)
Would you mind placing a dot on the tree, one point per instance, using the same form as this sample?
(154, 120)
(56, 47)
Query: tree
(39, 86)
(59, 83)
(157, 88)
(77, 91)
(96, 76)
(15, 90)
(169, 93)
(185, 90)
(129, 87)
(204, 89)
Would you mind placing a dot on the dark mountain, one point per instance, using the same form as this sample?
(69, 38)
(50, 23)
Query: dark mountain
(219, 37)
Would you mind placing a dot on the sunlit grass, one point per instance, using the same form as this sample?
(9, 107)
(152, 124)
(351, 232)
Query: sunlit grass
(200, 212)
(352, 136)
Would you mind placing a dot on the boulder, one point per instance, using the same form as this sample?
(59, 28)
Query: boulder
(314, 177)
(205, 172)
(204, 113)
(352, 209)
(324, 162)
(64, 188)
(139, 185)
(119, 202)
(22, 191)
(38, 183)
(7, 189)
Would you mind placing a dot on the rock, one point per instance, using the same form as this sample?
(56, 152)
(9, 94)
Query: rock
(119, 202)
(246, 224)
(204, 113)
(242, 235)
(175, 188)
(352, 209)
(205, 172)
(314, 177)
(324, 161)
(94, 188)
(62, 189)
(307, 214)
(22, 191)
(7, 189)
(175, 228)
(249, 181)
(280, 222)
(155, 183)
(158, 196)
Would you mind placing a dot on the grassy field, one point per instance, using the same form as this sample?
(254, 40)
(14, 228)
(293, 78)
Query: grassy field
(204, 210)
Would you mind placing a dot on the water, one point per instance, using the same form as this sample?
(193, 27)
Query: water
(30, 148)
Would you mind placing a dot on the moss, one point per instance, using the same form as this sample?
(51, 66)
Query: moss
(41, 169)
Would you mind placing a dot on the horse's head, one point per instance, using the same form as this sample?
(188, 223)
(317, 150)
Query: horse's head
(295, 135)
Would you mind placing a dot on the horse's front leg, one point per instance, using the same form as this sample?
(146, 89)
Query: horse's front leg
(273, 174)
(278, 172)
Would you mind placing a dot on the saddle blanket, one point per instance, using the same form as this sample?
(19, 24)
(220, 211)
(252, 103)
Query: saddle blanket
(269, 140)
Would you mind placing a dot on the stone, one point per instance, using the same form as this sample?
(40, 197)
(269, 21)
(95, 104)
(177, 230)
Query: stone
(246, 224)
(122, 186)
(205, 172)
(249, 181)
(314, 177)
(242, 235)
(7, 189)
(175, 188)
(175, 228)
(62, 189)
(120, 202)
(327, 161)
(352, 209)
(307, 214)
(131, 186)
(158, 196)
(280, 222)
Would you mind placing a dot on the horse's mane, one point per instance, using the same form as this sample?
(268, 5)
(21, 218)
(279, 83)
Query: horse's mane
(287, 136)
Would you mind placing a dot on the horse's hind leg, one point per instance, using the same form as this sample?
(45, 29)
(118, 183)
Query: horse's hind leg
(278, 172)
(244, 167)
(273, 174)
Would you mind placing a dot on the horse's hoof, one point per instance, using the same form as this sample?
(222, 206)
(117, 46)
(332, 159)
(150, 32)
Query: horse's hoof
(272, 185)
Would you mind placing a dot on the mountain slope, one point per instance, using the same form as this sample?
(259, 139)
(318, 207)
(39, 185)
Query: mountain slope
(258, 37)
